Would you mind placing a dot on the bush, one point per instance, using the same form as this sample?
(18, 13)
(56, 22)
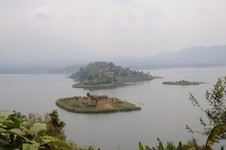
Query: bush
(18, 132)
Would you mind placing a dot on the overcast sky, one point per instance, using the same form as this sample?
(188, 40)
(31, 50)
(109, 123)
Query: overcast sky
(120, 27)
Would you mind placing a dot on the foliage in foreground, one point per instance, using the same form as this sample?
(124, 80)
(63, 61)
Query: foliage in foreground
(214, 137)
(171, 146)
(33, 132)
(16, 132)
(216, 111)
(214, 128)
(20, 132)
(55, 126)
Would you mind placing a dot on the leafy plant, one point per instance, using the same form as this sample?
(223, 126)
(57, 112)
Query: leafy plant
(215, 135)
(216, 112)
(16, 132)
(191, 145)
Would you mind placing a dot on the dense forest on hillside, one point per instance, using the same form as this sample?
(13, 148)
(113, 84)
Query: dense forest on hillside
(104, 74)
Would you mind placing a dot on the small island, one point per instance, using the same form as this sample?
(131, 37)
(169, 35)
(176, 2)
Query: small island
(95, 104)
(99, 75)
(182, 82)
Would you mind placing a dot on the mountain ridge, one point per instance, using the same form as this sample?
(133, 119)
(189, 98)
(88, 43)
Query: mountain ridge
(199, 56)
(189, 57)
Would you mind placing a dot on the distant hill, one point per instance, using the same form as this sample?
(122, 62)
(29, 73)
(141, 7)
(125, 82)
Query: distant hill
(68, 69)
(27, 69)
(190, 57)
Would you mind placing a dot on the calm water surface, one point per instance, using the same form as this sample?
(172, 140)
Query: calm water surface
(165, 108)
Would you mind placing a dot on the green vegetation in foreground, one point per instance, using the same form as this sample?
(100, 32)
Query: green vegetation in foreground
(34, 132)
(214, 109)
(182, 82)
(27, 133)
(107, 75)
(213, 137)
(87, 105)
(37, 133)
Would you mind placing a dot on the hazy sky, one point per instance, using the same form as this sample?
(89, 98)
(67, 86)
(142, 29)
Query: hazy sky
(121, 27)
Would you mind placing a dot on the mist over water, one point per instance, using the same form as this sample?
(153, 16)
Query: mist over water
(165, 108)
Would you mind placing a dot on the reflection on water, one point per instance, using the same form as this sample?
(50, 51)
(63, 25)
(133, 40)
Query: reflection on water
(165, 108)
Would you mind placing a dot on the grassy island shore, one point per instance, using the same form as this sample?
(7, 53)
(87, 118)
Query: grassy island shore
(96, 86)
(95, 104)
(182, 82)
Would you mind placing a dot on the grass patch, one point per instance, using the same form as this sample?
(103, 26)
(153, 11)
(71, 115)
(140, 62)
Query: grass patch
(86, 105)
(97, 86)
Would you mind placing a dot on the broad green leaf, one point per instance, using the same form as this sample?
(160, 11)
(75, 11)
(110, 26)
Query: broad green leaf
(147, 148)
(17, 121)
(1, 119)
(25, 129)
(6, 113)
(179, 146)
(215, 135)
(17, 132)
(8, 123)
(37, 129)
(12, 122)
(34, 146)
(141, 146)
(2, 130)
(160, 147)
(52, 140)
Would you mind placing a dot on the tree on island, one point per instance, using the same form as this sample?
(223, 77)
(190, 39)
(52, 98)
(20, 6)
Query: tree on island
(104, 74)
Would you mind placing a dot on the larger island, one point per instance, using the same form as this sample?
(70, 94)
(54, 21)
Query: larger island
(95, 104)
(106, 75)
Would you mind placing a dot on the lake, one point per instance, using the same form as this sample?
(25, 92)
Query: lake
(165, 108)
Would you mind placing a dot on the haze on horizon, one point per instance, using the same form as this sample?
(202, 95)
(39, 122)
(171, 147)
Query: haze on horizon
(57, 30)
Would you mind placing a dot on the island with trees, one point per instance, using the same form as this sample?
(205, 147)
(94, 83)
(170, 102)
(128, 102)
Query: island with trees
(182, 82)
(95, 104)
(36, 132)
(106, 75)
